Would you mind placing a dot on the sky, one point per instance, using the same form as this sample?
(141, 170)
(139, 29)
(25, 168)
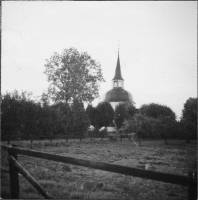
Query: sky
(157, 45)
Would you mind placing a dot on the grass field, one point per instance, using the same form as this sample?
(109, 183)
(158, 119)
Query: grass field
(74, 182)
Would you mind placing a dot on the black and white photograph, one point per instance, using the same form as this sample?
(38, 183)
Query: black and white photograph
(99, 100)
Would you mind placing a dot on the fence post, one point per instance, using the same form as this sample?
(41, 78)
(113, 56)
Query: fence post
(14, 178)
(192, 188)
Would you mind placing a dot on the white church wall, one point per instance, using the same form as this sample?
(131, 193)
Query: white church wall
(113, 104)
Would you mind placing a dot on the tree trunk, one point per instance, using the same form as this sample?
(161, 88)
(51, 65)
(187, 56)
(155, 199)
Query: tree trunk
(166, 142)
(66, 138)
(91, 135)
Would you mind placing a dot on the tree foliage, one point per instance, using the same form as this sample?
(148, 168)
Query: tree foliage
(19, 114)
(123, 111)
(105, 113)
(120, 114)
(189, 111)
(165, 127)
(156, 110)
(63, 119)
(141, 124)
(24, 118)
(93, 115)
(73, 75)
(150, 128)
(189, 119)
(80, 119)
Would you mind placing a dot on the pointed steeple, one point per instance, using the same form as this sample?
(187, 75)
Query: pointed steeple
(118, 75)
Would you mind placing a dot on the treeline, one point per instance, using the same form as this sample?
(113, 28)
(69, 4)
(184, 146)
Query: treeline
(155, 121)
(23, 118)
(150, 121)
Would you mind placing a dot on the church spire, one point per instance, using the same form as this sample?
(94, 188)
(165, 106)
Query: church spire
(118, 75)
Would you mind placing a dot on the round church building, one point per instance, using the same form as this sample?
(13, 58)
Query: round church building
(117, 94)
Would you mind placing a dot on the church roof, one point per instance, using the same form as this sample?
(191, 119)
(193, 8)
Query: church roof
(118, 75)
(118, 95)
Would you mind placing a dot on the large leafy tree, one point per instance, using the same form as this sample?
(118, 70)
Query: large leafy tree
(148, 127)
(73, 75)
(156, 110)
(165, 119)
(165, 124)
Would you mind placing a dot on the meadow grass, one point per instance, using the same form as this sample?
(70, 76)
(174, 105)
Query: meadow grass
(64, 181)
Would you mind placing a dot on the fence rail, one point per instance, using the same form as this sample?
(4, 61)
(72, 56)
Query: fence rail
(35, 184)
(147, 174)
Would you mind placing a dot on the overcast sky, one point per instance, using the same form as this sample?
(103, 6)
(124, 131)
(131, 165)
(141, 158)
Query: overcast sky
(158, 45)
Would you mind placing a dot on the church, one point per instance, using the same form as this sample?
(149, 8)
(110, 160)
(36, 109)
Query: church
(117, 94)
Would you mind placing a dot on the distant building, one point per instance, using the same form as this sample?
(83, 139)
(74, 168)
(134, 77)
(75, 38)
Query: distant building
(117, 94)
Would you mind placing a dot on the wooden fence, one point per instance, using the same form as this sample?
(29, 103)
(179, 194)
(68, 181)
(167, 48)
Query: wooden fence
(15, 167)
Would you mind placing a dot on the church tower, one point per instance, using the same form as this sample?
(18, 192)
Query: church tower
(117, 94)
(118, 81)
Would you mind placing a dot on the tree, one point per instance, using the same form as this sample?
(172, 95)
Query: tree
(93, 117)
(63, 119)
(120, 114)
(73, 75)
(30, 119)
(45, 100)
(18, 115)
(156, 110)
(9, 117)
(123, 111)
(165, 127)
(130, 110)
(105, 114)
(91, 111)
(141, 124)
(80, 119)
(148, 127)
(189, 111)
(189, 119)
